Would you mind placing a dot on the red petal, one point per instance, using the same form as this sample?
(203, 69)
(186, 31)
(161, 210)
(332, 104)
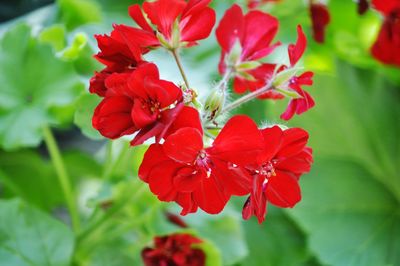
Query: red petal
(239, 141)
(163, 13)
(152, 158)
(135, 12)
(160, 180)
(137, 80)
(294, 141)
(210, 197)
(283, 190)
(194, 7)
(141, 114)
(235, 180)
(230, 28)
(184, 145)
(260, 29)
(187, 117)
(112, 119)
(185, 200)
(187, 179)
(297, 50)
(273, 139)
(199, 26)
(386, 6)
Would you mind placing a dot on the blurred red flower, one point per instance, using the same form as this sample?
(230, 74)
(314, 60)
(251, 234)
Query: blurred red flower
(320, 19)
(258, 3)
(277, 169)
(174, 250)
(387, 46)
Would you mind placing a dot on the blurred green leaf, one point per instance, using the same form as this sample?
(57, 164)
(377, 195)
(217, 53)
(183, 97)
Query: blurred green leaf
(351, 219)
(54, 35)
(76, 12)
(33, 81)
(29, 237)
(83, 116)
(276, 242)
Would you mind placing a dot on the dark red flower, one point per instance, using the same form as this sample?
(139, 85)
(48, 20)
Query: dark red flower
(277, 170)
(177, 23)
(174, 250)
(362, 6)
(320, 19)
(244, 40)
(252, 4)
(183, 170)
(137, 101)
(387, 46)
(117, 56)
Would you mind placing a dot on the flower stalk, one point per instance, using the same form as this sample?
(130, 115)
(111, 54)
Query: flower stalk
(180, 66)
(62, 175)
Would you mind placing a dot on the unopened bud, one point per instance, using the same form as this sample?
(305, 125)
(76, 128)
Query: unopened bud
(214, 103)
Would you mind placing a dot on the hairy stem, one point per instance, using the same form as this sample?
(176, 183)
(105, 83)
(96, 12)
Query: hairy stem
(62, 175)
(247, 98)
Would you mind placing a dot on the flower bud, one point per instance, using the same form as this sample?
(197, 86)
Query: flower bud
(214, 104)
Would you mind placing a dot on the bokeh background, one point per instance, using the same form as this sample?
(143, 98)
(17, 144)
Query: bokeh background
(350, 211)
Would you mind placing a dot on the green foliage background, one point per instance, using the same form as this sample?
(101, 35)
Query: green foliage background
(350, 211)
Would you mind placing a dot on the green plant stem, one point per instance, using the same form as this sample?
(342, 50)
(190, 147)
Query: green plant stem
(247, 98)
(108, 214)
(62, 175)
(180, 66)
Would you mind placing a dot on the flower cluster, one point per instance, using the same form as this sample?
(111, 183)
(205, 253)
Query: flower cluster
(197, 160)
(174, 250)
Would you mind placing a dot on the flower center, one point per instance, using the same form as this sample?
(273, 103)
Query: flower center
(267, 169)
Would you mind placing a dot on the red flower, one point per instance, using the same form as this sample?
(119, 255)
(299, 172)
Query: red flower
(177, 23)
(320, 18)
(137, 101)
(245, 39)
(182, 170)
(278, 168)
(387, 46)
(174, 250)
(116, 56)
(304, 101)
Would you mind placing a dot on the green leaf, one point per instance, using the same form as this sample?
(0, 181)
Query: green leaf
(83, 116)
(75, 12)
(29, 237)
(33, 82)
(351, 219)
(276, 242)
(224, 231)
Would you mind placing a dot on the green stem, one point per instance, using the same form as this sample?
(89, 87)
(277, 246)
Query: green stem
(247, 98)
(110, 213)
(180, 66)
(62, 175)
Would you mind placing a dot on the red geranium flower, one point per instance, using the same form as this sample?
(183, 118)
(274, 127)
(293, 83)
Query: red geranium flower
(304, 101)
(174, 250)
(244, 39)
(182, 170)
(278, 168)
(320, 18)
(117, 56)
(387, 46)
(177, 23)
(137, 101)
